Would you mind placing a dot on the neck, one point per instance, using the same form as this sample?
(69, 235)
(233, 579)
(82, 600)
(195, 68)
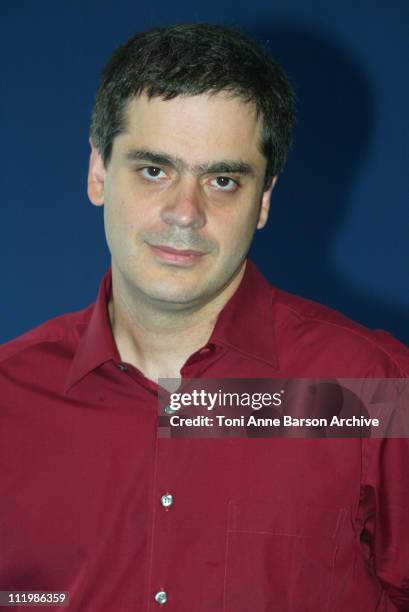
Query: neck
(144, 332)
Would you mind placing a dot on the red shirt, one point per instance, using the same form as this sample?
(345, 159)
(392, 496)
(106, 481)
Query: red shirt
(286, 525)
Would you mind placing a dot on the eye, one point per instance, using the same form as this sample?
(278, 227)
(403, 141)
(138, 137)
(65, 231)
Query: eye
(152, 173)
(224, 183)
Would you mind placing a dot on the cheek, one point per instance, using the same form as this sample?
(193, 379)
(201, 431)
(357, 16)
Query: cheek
(236, 231)
(119, 227)
(124, 217)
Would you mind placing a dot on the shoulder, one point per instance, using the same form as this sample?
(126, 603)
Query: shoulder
(62, 331)
(320, 330)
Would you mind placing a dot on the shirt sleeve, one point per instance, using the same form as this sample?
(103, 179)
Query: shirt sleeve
(384, 514)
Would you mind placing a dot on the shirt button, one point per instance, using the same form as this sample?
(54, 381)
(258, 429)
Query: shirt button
(161, 597)
(122, 367)
(166, 500)
(170, 410)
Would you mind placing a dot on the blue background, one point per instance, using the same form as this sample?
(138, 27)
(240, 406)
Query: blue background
(338, 230)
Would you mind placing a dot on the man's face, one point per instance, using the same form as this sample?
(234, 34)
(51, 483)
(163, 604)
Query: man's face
(186, 175)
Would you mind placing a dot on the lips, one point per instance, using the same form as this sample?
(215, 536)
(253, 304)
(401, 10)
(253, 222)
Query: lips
(177, 251)
(176, 257)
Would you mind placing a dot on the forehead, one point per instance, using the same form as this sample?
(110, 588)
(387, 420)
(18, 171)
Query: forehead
(200, 127)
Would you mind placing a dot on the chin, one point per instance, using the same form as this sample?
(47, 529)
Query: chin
(173, 296)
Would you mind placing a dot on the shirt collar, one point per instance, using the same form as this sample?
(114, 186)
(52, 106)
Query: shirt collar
(245, 324)
(97, 344)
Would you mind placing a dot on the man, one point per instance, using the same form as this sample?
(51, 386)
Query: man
(190, 129)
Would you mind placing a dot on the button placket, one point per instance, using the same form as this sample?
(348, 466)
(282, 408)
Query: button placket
(163, 529)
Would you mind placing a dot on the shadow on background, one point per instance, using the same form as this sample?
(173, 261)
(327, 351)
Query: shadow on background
(335, 122)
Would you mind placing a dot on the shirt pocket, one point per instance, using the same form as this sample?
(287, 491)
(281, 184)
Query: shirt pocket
(279, 557)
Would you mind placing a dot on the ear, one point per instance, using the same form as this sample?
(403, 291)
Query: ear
(265, 204)
(96, 177)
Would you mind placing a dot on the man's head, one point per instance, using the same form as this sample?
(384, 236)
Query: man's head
(190, 127)
(191, 59)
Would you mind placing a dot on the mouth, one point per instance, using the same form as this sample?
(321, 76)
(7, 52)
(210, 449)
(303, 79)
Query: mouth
(178, 256)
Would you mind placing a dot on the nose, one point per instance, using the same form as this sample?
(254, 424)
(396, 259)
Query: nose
(185, 206)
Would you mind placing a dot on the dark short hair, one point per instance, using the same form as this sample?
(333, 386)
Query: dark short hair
(191, 59)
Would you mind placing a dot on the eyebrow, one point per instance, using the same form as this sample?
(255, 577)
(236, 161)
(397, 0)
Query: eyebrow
(162, 159)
